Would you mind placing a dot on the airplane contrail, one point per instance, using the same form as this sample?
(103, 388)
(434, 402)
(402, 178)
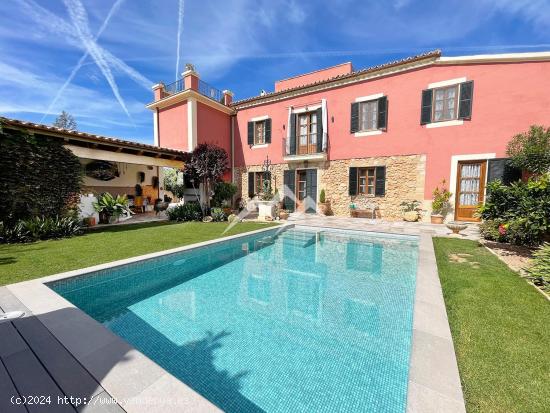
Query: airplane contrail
(79, 17)
(180, 30)
(114, 8)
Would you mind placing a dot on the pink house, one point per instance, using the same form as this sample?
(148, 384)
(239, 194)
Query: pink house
(372, 137)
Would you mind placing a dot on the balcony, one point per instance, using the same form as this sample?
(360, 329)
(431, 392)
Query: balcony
(304, 152)
(203, 88)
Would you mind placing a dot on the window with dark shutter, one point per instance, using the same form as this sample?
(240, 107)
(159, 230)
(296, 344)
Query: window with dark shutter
(251, 184)
(426, 110)
(352, 181)
(292, 131)
(289, 187)
(319, 130)
(268, 130)
(380, 189)
(465, 103)
(354, 127)
(383, 113)
(251, 133)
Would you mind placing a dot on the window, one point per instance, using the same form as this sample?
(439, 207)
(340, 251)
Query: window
(259, 182)
(366, 181)
(306, 131)
(259, 133)
(445, 103)
(368, 115)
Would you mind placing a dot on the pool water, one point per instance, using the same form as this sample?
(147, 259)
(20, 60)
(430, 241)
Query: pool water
(281, 321)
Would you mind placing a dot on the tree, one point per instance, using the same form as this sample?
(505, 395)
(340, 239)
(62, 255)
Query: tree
(65, 121)
(207, 165)
(531, 150)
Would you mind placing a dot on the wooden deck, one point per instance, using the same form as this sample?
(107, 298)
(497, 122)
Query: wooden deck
(37, 374)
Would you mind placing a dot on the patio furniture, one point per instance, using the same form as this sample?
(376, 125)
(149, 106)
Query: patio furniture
(368, 212)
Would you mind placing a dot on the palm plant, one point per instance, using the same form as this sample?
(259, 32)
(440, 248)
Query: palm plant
(109, 206)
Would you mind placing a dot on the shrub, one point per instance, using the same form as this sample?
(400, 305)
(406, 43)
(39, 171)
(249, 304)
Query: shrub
(190, 211)
(40, 228)
(521, 211)
(531, 150)
(539, 270)
(218, 215)
(441, 198)
(322, 196)
(109, 206)
(38, 177)
(223, 192)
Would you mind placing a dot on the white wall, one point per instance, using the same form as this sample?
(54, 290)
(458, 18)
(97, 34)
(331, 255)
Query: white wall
(128, 176)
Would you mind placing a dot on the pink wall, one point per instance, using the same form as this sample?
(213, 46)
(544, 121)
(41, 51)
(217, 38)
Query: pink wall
(306, 78)
(508, 98)
(172, 124)
(213, 127)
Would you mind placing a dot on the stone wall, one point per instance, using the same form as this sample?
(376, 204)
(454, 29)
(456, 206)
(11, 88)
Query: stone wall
(405, 176)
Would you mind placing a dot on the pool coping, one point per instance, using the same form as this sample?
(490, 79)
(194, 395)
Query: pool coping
(138, 384)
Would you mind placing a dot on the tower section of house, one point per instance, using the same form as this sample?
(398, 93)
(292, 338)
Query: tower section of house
(380, 136)
(190, 112)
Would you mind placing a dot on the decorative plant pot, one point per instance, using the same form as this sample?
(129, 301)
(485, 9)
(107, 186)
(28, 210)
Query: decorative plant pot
(283, 215)
(104, 218)
(437, 219)
(113, 219)
(323, 208)
(410, 216)
(266, 209)
(227, 210)
(89, 221)
(456, 227)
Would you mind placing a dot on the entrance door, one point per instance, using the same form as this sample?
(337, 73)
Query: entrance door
(307, 133)
(470, 189)
(301, 190)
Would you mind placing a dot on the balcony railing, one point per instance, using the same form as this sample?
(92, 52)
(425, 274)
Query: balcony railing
(204, 89)
(303, 152)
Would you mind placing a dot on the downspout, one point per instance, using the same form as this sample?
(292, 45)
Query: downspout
(157, 127)
(232, 149)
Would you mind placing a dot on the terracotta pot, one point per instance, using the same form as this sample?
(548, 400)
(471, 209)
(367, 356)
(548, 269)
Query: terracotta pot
(323, 208)
(437, 219)
(227, 210)
(104, 218)
(89, 221)
(283, 215)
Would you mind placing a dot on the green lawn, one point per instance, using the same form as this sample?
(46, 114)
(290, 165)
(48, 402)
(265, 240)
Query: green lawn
(500, 327)
(19, 262)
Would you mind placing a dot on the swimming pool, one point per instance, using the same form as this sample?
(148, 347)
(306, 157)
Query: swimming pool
(294, 320)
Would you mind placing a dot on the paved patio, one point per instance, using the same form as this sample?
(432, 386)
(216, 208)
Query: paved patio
(378, 225)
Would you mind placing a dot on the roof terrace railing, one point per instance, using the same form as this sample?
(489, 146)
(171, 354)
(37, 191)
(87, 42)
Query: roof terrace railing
(203, 88)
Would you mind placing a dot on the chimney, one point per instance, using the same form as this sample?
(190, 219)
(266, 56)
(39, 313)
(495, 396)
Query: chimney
(227, 97)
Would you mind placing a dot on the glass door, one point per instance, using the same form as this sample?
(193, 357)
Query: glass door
(470, 189)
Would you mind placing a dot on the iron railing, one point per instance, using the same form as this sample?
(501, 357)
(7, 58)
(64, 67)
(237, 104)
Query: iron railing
(204, 89)
(210, 91)
(311, 151)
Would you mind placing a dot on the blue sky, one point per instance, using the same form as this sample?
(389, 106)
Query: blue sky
(125, 46)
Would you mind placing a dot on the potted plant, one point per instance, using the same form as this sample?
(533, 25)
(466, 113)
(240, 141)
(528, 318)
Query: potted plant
(110, 207)
(410, 210)
(89, 221)
(324, 205)
(440, 203)
(284, 214)
(223, 192)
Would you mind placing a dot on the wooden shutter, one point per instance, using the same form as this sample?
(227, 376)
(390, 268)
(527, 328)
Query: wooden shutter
(502, 169)
(380, 177)
(319, 130)
(268, 130)
(352, 181)
(289, 180)
(354, 126)
(251, 133)
(466, 97)
(383, 113)
(426, 111)
(311, 190)
(292, 127)
(251, 184)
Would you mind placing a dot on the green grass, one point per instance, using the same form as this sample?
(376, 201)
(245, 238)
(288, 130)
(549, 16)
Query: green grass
(501, 330)
(19, 262)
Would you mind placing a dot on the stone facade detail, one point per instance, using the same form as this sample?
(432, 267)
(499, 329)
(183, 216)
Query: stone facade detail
(405, 177)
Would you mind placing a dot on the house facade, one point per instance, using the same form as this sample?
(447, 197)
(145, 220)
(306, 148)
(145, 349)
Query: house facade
(373, 137)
